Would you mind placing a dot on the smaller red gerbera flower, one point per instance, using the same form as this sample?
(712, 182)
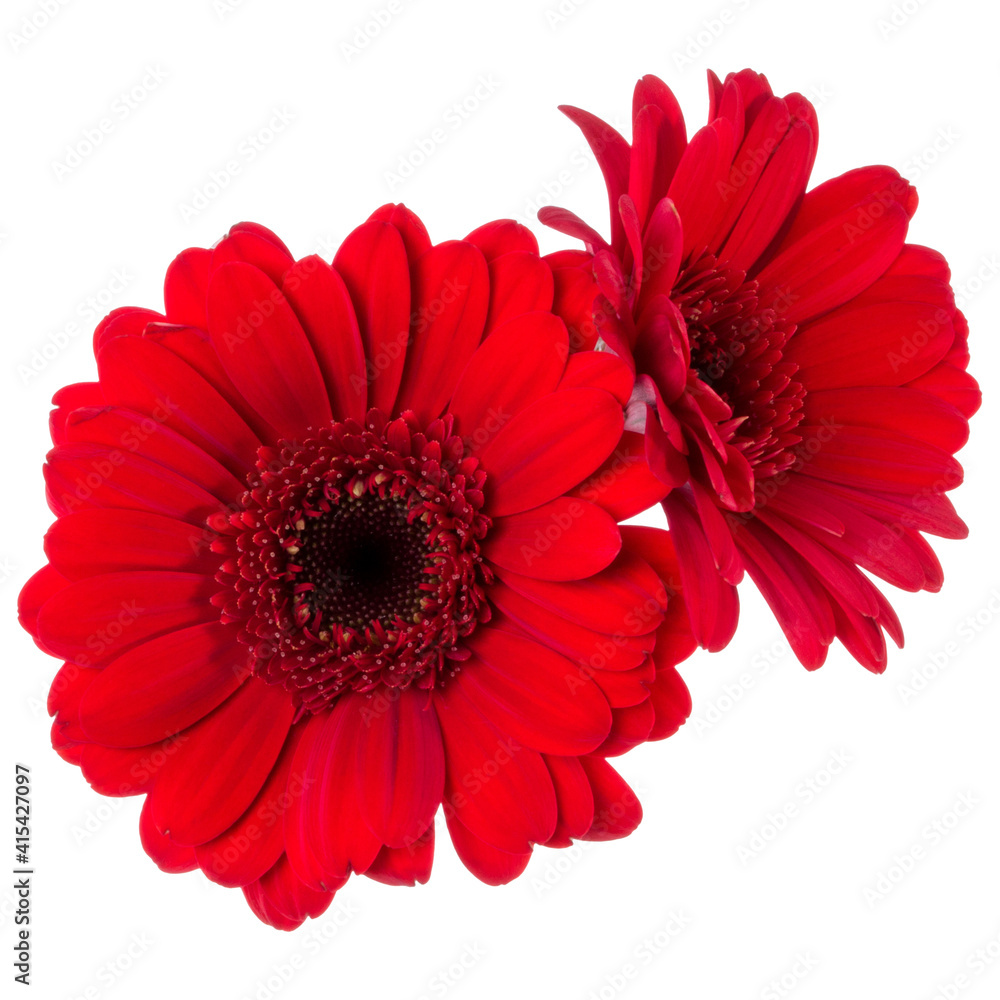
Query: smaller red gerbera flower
(336, 549)
(800, 370)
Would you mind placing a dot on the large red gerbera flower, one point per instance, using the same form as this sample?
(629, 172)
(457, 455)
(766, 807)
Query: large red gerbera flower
(801, 381)
(324, 562)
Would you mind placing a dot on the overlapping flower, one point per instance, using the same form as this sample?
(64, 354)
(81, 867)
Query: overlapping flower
(318, 568)
(800, 370)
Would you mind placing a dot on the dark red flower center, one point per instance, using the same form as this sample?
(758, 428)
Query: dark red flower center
(356, 558)
(736, 348)
(364, 560)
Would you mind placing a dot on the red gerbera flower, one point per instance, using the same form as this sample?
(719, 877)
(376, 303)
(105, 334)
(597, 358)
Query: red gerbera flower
(801, 381)
(317, 570)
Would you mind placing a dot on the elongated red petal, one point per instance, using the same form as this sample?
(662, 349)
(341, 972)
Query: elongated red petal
(549, 447)
(232, 751)
(264, 349)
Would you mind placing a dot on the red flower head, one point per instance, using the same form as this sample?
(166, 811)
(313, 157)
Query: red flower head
(331, 552)
(800, 370)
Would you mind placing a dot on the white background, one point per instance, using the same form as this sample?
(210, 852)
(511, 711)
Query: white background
(920, 95)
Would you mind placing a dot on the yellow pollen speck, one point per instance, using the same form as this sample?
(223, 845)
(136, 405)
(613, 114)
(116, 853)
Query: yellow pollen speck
(358, 488)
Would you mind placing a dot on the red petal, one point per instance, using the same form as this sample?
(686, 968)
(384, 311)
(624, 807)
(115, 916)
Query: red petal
(504, 236)
(601, 370)
(124, 433)
(697, 183)
(624, 485)
(321, 301)
(330, 819)
(185, 288)
(842, 254)
(627, 597)
(953, 385)
(549, 447)
(265, 351)
(82, 476)
(581, 645)
(97, 619)
(169, 857)
(573, 301)
(617, 811)
(372, 261)
(786, 582)
(520, 283)
(195, 347)
(400, 774)
(41, 586)
(881, 344)
(575, 798)
(487, 863)
(631, 726)
(95, 542)
(671, 702)
(519, 363)
(129, 321)
(543, 700)
(408, 224)
(900, 411)
(251, 243)
(712, 602)
(282, 900)
(613, 156)
(451, 290)
(68, 399)
(405, 865)
(498, 789)
(780, 186)
(857, 189)
(139, 374)
(164, 686)
(255, 842)
(565, 539)
(232, 752)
